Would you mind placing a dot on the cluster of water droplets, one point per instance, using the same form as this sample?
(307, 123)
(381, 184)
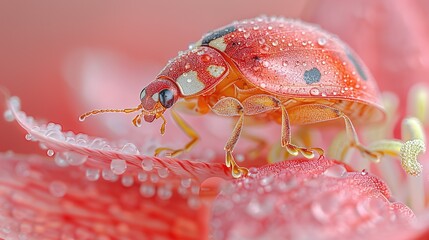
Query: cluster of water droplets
(103, 159)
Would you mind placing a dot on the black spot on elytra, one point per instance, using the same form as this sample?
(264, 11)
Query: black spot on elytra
(217, 34)
(312, 76)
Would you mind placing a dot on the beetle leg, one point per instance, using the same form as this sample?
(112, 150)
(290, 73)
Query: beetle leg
(232, 107)
(187, 130)
(286, 139)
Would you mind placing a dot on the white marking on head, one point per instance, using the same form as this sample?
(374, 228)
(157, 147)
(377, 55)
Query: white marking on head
(143, 94)
(219, 44)
(215, 70)
(155, 97)
(189, 83)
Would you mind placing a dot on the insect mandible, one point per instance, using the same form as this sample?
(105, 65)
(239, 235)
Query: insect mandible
(279, 69)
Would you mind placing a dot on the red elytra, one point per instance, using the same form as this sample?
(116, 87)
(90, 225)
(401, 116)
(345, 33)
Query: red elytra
(273, 69)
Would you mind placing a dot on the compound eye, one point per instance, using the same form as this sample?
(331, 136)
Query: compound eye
(142, 94)
(166, 98)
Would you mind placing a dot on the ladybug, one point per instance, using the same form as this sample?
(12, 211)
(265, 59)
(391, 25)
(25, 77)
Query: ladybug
(274, 69)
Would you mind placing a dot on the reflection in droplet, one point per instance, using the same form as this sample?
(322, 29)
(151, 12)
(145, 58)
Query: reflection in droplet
(118, 166)
(57, 188)
(335, 171)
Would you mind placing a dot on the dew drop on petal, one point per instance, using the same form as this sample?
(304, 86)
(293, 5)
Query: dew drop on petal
(364, 172)
(186, 182)
(108, 175)
(75, 159)
(50, 152)
(15, 102)
(92, 174)
(118, 166)
(335, 171)
(147, 190)
(164, 193)
(28, 137)
(130, 148)
(194, 202)
(163, 172)
(60, 160)
(267, 180)
(8, 116)
(147, 164)
(127, 181)
(142, 177)
(57, 188)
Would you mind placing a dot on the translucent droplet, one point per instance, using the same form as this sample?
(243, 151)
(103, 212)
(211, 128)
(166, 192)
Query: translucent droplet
(165, 193)
(256, 27)
(154, 178)
(321, 41)
(92, 174)
(50, 152)
(270, 27)
(118, 166)
(267, 180)
(142, 177)
(60, 160)
(28, 137)
(147, 190)
(130, 148)
(246, 35)
(75, 159)
(275, 43)
(147, 164)
(127, 181)
(15, 102)
(108, 175)
(265, 64)
(335, 171)
(187, 66)
(8, 116)
(261, 41)
(194, 202)
(163, 172)
(57, 188)
(186, 182)
(263, 85)
(314, 91)
(364, 172)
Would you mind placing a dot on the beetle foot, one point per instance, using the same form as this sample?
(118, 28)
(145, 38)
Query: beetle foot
(236, 170)
(306, 152)
(168, 151)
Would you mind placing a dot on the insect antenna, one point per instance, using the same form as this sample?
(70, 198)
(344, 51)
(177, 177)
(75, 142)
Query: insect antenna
(97, 111)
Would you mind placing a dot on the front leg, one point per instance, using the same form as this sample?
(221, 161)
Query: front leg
(230, 107)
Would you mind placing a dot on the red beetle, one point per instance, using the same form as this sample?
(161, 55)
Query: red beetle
(272, 68)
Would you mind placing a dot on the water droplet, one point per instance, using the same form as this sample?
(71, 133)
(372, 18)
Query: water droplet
(147, 164)
(154, 178)
(108, 175)
(8, 116)
(165, 193)
(263, 85)
(50, 152)
(60, 160)
(15, 102)
(267, 180)
(127, 181)
(194, 202)
(57, 189)
(163, 172)
(147, 190)
(256, 27)
(130, 148)
(92, 174)
(75, 159)
(118, 166)
(270, 27)
(285, 63)
(314, 91)
(321, 41)
(304, 43)
(246, 35)
(186, 182)
(261, 41)
(275, 43)
(364, 172)
(187, 66)
(335, 171)
(28, 137)
(142, 176)
(289, 44)
(323, 62)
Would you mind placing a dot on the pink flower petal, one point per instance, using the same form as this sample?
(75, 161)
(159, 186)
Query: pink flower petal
(39, 200)
(315, 199)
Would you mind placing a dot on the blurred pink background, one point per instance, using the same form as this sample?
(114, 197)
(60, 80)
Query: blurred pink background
(40, 39)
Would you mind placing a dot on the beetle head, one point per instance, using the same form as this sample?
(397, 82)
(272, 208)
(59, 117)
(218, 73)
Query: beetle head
(157, 97)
